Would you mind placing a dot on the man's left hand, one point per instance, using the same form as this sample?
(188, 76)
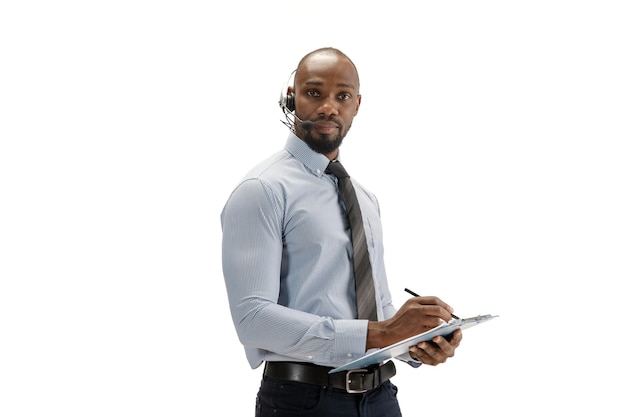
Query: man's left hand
(438, 350)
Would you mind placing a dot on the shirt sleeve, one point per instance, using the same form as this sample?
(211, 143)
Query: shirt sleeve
(251, 260)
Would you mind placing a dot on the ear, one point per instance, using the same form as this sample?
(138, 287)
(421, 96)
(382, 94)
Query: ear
(358, 104)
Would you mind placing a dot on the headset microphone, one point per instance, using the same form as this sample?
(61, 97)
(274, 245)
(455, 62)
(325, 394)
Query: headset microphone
(306, 124)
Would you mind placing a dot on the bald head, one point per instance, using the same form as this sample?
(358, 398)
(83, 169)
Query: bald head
(327, 54)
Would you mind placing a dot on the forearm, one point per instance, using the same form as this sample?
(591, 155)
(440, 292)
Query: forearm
(298, 335)
(264, 324)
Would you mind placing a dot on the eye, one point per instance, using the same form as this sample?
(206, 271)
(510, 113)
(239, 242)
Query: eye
(344, 96)
(313, 93)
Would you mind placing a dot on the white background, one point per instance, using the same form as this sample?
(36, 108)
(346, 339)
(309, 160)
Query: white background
(491, 131)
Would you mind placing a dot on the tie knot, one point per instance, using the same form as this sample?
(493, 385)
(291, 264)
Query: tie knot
(337, 170)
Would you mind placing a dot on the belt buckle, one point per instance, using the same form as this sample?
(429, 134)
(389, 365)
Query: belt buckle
(349, 381)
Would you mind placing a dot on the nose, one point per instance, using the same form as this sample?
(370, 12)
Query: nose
(328, 107)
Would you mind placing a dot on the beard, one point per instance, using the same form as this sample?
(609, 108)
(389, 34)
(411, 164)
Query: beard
(324, 144)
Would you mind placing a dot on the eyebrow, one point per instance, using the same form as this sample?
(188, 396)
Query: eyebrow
(340, 85)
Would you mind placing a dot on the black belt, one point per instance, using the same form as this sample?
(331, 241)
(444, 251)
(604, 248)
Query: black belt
(352, 381)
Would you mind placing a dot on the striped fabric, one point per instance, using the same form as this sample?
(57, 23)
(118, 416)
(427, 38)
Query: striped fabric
(364, 282)
(287, 261)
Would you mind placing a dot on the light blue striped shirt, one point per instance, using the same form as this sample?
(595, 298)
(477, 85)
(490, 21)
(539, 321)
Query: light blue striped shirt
(286, 258)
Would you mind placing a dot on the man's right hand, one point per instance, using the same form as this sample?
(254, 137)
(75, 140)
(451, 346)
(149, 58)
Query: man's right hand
(417, 315)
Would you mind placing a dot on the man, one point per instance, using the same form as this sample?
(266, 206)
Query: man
(288, 264)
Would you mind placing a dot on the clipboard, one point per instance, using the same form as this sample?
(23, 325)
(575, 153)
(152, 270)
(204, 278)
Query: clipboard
(402, 347)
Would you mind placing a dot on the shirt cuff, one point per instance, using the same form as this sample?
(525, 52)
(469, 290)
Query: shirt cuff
(350, 340)
(406, 357)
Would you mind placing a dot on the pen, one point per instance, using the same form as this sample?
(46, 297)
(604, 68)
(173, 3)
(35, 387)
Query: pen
(416, 295)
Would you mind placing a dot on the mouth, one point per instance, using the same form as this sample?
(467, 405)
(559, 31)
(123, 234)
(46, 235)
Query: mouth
(326, 127)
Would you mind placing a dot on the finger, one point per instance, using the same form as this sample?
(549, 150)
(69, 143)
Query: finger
(428, 306)
(422, 356)
(455, 338)
(431, 354)
(425, 353)
(434, 301)
(439, 350)
(430, 321)
(445, 348)
(434, 310)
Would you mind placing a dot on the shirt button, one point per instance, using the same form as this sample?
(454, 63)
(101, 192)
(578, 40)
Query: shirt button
(310, 357)
(349, 355)
(318, 171)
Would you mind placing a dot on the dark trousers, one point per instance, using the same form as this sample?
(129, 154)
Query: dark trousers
(279, 398)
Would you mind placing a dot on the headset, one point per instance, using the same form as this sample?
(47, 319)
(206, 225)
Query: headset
(287, 103)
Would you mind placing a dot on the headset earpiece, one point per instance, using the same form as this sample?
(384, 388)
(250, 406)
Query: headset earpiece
(287, 100)
(290, 102)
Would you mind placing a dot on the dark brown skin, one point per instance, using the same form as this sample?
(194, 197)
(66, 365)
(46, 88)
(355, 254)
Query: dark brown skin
(326, 90)
(327, 93)
(417, 315)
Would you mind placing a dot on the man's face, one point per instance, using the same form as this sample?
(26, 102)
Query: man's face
(326, 93)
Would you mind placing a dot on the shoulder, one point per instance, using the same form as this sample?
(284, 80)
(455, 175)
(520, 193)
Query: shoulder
(364, 192)
(271, 181)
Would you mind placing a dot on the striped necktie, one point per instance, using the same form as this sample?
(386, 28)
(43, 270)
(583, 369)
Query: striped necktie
(364, 282)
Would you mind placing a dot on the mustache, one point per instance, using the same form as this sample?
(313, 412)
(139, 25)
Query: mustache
(329, 119)
(326, 119)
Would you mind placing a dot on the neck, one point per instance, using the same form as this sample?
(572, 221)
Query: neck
(333, 155)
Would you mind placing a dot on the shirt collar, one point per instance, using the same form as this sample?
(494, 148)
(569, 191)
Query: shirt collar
(314, 161)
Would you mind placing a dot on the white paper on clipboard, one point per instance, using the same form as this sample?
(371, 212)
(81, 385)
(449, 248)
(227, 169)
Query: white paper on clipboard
(402, 346)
